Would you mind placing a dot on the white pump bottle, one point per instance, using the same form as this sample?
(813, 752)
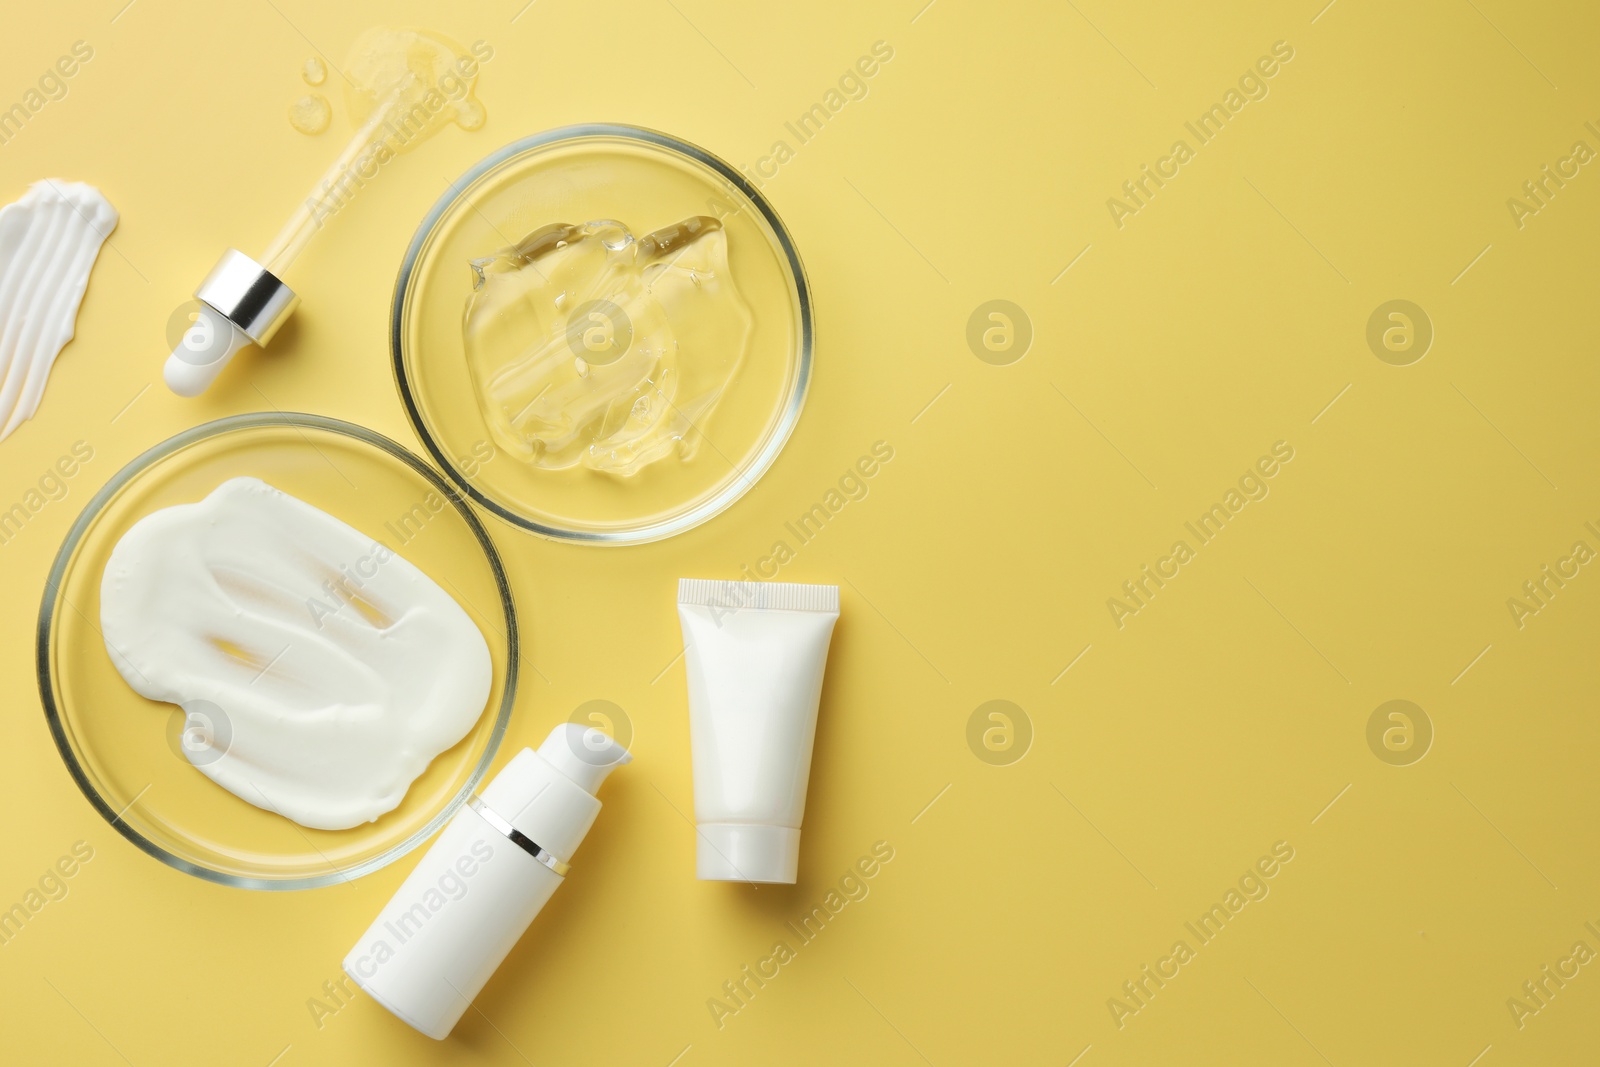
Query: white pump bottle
(452, 922)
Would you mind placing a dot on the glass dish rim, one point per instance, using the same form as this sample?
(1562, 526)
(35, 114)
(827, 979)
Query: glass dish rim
(171, 446)
(743, 480)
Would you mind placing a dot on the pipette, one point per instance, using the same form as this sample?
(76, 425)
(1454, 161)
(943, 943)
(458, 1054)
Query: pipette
(415, 82)
(243, 301)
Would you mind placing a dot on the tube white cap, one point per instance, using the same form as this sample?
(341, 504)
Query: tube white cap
(747, 852)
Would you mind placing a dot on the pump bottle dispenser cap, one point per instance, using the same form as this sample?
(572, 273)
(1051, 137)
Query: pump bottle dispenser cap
(584, 754)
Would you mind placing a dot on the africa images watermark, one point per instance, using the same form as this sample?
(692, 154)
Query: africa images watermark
(1251, 486)
(1137, 192)
(852, 485)
(336, 995)
(395, 133)
(1252, 886)
(1538, 191)
(852, 887)
(50, 87)
(449, 888)
(344, 588)
(851, 85)
(1539, 991)
(48, 488)
(408, 524)
(51, 886)
(1538, 591)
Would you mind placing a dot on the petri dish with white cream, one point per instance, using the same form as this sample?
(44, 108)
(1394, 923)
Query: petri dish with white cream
(232, 539)
(620, 316)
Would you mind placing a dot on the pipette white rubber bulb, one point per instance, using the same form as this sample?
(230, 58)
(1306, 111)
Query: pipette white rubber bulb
(202, 352)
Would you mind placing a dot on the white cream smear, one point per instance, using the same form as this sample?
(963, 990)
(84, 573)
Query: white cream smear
(49, 241)
(320, 673)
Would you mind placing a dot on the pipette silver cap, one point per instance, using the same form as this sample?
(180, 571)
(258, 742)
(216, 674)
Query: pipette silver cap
(241, 302)
(248, 295)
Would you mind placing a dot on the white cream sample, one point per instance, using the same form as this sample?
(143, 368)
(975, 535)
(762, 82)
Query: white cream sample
(319, 671)
(49, 241)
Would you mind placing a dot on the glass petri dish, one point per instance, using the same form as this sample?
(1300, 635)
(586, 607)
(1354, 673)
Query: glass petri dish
(123, 750)
(646, 180)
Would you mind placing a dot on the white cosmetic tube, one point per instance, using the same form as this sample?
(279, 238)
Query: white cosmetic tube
(755, 653)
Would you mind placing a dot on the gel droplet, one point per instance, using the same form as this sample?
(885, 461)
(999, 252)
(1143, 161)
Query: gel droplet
(310, 114)
(314, 71)
(470, 113)
(614, 236)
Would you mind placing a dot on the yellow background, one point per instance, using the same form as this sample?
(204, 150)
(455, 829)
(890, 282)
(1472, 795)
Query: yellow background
(1224, 717)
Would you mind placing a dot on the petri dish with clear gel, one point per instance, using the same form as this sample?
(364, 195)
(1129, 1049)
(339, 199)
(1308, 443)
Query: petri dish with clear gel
(648, 182)
(126, 752)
